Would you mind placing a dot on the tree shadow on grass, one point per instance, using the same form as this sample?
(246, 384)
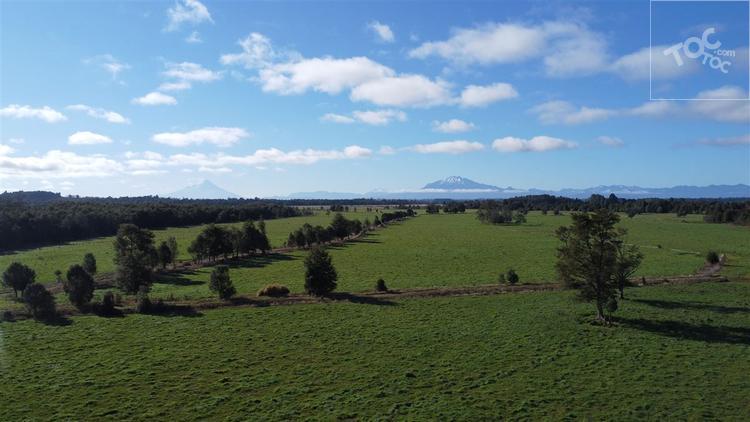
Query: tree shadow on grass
(258, 261)
(685, 331)
(177, 278)
(169, 310)
(360, 299)
(667, 304)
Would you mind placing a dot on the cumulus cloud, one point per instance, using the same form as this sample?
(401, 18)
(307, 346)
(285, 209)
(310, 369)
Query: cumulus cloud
(109, 63)
(219, 136)
(289, 73)
(480, 96)
(567, 49)
(370, 117)
(45, 113)
(564, 112)
(725, 104)
(58, 164)
(191, 72)
(403, 91)
(447, 147)
(99, 113)
(651, 62)
(610, 141)
(452, 126)
(535, 144)
(88, 138)
(337, 118)
(386, 150)
(186, 11)
(6, 150)
(154, 99)
(383, 31)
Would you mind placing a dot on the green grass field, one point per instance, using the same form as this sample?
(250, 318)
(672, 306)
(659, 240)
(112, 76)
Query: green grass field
(434, 250)
(677, 353)
(46, 260)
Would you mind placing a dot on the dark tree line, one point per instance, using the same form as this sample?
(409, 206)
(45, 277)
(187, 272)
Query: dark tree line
(339, 229)
(25, 225)
(216, 241)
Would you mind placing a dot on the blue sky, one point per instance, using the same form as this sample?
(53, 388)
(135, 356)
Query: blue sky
(269, 98)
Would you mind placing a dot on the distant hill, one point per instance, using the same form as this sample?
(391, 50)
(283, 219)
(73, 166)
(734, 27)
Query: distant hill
(204, 190)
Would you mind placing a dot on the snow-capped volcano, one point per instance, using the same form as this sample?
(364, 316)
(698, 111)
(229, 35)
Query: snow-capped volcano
(459, 183)
(203, 190)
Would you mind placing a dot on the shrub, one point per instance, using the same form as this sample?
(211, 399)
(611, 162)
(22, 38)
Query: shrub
(221, 283)
(107, 306)
(79, 285)
(89, 263)
(39, 301)
(712, 257)
(143, 303)
(320, 275)
(380, 285)
(512, 276)
(274, 290)
(18, 276)
(7, 316)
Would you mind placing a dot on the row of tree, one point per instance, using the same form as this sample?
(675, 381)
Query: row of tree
(339, 229)
(26, 225)
(216, 241)
(491, 213)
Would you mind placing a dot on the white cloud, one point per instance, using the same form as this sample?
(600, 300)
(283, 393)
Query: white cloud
(109, 63)
(154, 99)
(190, 11)
(337, 118)
(480, 96)
(387, 150)
(452, 126)
(403, 91)
(6, 150)
(175, 86)
(356, 151)
(370, 117)
(742, 140)
(58, 164)
(289, 73)
(567, 49)
(219, 136)
(17, 141)
(721, 104)
(635, 66)
(191, 72)
(194, 38)
(610, 141)
(257, 52)
(45, 113)
(383, 31)
(88, 138)
(100, 113)
(653, 109)
(535, 144)
(564, 112)
(326, 74)
(448, 147)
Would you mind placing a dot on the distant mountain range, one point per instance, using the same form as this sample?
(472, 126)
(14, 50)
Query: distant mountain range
(462, 188)
(204, 190)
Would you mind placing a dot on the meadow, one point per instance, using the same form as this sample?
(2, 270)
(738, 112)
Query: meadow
(432, 250)
(675, 352)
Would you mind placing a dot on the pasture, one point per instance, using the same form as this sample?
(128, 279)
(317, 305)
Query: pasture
(430, 250)
(676, 352)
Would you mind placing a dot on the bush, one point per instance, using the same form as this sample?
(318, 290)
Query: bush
(79, 285)
(320, 275)
(89, 263)
(221, 283)
(107, 306)
(39, 301)
(380, 285)
(274, 290)
(7, 316)
(512, 276)
(18, 276)
(143, 303)
(712, 257)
